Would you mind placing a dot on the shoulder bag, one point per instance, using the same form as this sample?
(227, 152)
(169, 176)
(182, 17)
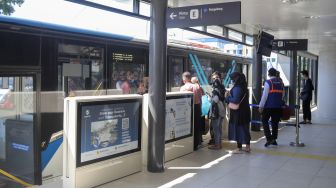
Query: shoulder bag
(234, 106)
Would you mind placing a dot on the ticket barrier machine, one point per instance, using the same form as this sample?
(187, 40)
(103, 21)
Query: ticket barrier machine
(179, 125)
(105, 137)
(102, 140)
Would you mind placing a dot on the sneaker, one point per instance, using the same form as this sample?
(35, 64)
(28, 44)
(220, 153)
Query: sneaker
(302, 122)
(214, 147)
(309, 122)
(267, 143)
(274, 143)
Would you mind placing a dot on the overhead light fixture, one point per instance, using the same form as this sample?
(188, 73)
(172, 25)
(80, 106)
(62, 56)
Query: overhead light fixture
(290, 1)
(330, 34)
(312, 17)
(327, 33)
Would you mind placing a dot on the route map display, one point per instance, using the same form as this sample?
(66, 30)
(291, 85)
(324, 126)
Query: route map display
(107, 130)
(178, 117)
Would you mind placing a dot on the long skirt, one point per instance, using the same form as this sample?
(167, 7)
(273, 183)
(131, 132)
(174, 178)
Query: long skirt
(239, 133)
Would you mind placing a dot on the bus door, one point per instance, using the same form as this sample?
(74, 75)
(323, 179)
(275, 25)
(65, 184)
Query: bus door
(19, 138)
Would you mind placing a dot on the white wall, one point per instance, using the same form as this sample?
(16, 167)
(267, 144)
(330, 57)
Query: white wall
(327, 85)
(284, 68)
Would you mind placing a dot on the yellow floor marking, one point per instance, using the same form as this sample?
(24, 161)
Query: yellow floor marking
(15, 178)
(296, 155)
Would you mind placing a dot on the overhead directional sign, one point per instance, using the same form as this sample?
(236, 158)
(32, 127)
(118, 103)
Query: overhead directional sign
(202, 15)
(290, 44)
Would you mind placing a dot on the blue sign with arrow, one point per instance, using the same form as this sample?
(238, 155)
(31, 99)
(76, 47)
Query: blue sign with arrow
(203, 15)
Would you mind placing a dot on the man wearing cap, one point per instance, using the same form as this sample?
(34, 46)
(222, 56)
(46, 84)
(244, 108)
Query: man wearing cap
(270, 106)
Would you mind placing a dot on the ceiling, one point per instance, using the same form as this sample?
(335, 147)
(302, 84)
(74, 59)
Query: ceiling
(314, 20)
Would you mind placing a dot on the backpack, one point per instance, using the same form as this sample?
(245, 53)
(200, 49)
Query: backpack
(220, 92)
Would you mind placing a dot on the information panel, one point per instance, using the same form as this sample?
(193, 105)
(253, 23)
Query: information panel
(108, 129)
(203, 15)
(290, 44)
(179, 116)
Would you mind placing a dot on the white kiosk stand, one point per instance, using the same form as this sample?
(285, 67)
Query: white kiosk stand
(102, 139)
(179, 125)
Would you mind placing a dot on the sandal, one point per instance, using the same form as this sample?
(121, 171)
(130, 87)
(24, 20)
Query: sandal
(247, 150)
(237, 151)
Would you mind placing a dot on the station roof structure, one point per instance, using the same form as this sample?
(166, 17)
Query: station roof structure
(314, 20)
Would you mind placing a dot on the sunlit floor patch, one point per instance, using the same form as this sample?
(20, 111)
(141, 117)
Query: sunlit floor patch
(206, 166)
(296, 155)
(178, 180)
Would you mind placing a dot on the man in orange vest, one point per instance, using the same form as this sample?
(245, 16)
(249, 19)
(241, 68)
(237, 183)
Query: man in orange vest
(270, 106)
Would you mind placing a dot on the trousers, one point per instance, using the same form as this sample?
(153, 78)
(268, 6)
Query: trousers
(306, 110)
(275, 115)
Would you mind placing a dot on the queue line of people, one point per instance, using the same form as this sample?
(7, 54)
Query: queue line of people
(237, 100)
(239, 118)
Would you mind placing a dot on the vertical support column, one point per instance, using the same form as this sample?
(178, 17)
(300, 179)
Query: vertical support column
(293, 80)
(157, 86)
(298, 81)
(226, 32)
(316, 79)
(256, 87)
(136, 6)
(38, 130)
(65, 86)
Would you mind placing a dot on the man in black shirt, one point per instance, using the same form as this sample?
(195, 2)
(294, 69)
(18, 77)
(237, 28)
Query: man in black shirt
(306, 96)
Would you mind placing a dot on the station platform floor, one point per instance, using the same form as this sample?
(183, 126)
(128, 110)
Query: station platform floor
(312, 166)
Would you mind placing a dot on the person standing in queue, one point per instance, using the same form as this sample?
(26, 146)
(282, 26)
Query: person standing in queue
(220, 88)
(270, 106)
(306, 96)
(217, 111)
(195, 81)
(239, 123)
(188, 86)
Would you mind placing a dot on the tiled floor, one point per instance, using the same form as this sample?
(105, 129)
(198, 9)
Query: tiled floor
(283, 166)
(313, 166)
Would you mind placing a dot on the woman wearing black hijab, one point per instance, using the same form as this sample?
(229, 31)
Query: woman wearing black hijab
(239, 123)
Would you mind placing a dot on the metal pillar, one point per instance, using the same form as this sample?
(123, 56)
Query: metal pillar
(157, 86)
(293, 80)
(297, 142)
(298, 85)
(256, 86)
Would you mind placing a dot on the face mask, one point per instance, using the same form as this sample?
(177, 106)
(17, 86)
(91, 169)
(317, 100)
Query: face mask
(231, 83)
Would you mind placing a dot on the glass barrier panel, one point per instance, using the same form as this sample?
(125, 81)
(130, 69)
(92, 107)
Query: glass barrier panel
(17, 122)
